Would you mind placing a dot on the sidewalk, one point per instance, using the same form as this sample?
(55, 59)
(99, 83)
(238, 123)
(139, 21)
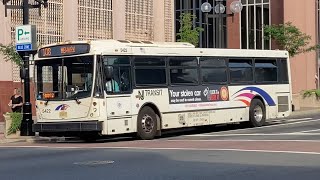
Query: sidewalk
(305, 111)
(31, 139)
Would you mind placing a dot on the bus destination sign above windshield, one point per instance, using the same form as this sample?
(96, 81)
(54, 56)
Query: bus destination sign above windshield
(64, 50)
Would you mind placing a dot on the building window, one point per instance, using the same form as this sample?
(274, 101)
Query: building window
(254, 16)
(139, 20)
(49, 27)
(95, 19)
(194, 7)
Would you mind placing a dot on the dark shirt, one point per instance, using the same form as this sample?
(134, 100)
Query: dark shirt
(17, 100)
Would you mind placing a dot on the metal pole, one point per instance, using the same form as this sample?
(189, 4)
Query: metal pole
(207, 30)
(26, 124)
(220, 27)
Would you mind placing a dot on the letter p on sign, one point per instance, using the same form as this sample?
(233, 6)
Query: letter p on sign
(20, 33)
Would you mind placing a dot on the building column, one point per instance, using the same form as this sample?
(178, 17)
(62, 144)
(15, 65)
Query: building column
(159, 23)
(70, 20)
(5, 23)
(5, 38)
(173, 8)
(119, 19)
(233, 29)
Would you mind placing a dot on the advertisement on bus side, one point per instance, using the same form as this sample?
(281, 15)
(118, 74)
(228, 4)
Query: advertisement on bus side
(198, 94)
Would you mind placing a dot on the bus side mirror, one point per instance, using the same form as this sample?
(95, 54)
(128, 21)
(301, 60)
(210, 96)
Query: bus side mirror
(108, 72)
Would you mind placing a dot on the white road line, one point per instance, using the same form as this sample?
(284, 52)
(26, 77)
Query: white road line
(307, 131)
(253, 134)
(4, 146)
(185, 149)
(264, 127)
(241, 140)
(297, 119)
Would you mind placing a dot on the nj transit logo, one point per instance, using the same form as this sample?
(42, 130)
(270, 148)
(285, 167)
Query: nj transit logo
(62, 107)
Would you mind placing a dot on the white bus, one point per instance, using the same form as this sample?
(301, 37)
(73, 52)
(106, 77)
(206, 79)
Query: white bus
(110, 87)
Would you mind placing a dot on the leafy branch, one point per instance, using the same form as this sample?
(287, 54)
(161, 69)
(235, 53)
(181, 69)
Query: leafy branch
(16, 122)
(10, 54)
(290, 38)
(188, 33)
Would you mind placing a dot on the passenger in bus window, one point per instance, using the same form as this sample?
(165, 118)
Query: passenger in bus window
(112, 86)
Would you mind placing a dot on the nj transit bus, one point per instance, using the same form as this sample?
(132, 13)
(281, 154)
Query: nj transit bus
(98, 88)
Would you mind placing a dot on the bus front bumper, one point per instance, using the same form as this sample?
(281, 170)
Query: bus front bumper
(83, 126)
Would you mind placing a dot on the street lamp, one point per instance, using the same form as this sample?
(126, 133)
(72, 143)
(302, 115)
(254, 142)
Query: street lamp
(26, 123)
(219, 9)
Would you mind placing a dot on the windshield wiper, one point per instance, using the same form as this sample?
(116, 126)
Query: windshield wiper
(46, 103)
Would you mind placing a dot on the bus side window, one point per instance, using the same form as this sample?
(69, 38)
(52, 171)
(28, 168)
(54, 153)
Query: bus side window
(121, 81)
(241, 70)
(124, 78)
(283, 71)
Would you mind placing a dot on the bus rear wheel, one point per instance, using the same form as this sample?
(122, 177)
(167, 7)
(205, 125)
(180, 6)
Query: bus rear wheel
(257, 113)
(147, 123)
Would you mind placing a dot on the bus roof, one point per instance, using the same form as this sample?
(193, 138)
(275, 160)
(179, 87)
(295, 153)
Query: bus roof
(127, 43)
(125, 47)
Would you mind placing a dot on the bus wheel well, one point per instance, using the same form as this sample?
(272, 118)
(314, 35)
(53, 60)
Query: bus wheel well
(259, 98)
(156, 110)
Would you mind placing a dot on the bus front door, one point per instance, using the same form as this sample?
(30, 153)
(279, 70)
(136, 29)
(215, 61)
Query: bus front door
(119, 116)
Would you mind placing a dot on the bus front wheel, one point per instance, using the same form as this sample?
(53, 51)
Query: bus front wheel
(257, 114)
(147, 123)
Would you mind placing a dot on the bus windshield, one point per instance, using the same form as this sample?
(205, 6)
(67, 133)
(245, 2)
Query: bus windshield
(64, 78)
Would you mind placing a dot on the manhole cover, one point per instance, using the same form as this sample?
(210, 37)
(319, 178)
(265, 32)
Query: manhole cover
(94, 163)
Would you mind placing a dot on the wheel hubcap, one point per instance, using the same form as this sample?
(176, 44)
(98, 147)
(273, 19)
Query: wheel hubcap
(147, 123)
(258, 113)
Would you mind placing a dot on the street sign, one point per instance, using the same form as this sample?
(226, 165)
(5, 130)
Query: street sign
(26, 38)
(24, 47)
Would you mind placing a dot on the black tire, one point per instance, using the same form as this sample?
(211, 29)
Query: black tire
(147, 124)
(257, 113)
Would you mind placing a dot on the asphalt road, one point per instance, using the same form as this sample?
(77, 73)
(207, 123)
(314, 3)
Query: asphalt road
(286, 149)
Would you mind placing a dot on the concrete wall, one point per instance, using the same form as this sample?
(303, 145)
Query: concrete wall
(303, 67)
(159, 24)
(119, 19)
(70, 20)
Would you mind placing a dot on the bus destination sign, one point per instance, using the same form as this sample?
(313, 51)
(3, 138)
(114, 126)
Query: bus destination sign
(64, 50)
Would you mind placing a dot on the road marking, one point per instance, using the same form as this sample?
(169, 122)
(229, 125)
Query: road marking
(184, 149)
(254, 134)
(314, 130)
(240, 140)
(264, 127)
(288, 120)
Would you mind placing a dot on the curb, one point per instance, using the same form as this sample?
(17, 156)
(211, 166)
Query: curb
(33, 139)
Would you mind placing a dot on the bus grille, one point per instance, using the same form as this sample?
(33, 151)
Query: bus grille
(283, 103)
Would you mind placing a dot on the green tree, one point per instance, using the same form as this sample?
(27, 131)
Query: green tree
(10, 54)
(188, 33)
(290, 38)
